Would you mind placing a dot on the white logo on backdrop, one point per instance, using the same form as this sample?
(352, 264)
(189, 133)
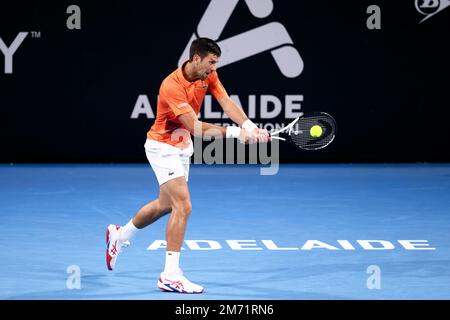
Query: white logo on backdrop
(8, 52)
(271, 37)
(430, 7)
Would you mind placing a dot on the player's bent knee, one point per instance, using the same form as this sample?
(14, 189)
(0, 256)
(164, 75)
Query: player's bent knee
(188, 207)
(183, 207)
(166, 209)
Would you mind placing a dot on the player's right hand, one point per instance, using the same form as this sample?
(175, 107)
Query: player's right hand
(257, 135)
(262, 135)
(244, 137)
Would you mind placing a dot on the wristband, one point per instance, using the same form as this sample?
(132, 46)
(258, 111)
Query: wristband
(249, 126)
(233, 132)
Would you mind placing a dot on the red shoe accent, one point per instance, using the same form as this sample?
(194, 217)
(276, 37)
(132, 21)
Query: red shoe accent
(108, 261)
(114, 248)
(108, 257)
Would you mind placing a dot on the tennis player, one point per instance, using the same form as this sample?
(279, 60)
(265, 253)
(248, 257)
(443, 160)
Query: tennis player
(169, 148)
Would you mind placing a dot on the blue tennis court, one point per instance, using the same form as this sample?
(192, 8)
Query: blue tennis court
(312, 231)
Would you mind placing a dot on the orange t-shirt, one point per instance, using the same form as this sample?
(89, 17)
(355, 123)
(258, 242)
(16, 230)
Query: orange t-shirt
(177, 96)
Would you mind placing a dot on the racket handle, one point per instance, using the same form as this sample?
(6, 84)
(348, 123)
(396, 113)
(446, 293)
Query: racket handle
(277, 138)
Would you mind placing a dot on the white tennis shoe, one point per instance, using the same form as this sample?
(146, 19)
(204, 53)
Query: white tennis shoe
(113, 245)
(178, 283)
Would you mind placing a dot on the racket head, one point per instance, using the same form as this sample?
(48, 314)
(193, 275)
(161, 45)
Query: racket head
(299, 133)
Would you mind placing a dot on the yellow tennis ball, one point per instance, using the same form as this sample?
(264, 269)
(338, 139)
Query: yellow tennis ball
(315, 131)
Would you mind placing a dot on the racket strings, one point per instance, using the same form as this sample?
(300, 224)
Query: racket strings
(300, 132)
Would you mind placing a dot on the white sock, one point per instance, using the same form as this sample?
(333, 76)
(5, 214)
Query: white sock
(172, 262)
(128, 231)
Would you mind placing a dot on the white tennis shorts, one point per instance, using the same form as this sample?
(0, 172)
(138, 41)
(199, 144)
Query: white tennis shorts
(168, 162)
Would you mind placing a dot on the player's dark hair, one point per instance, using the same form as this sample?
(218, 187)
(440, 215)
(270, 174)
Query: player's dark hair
(202, 47)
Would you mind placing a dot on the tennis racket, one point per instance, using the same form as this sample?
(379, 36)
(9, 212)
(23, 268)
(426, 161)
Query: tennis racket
(304, 133)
